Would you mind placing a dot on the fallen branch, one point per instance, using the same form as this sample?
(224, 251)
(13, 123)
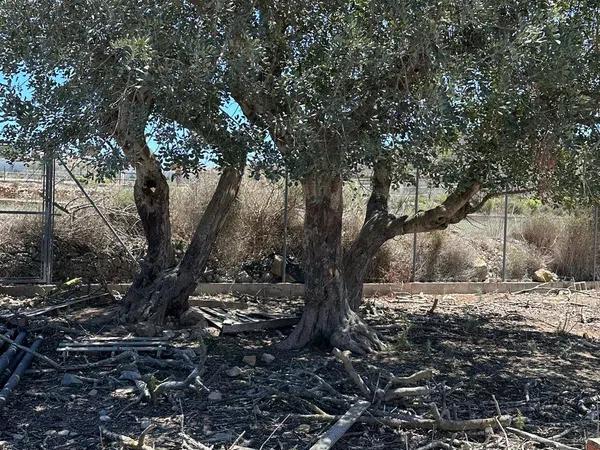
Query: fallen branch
(344, 358)
(126, 441)
(32, 352)
(541, 440)
(191, 382)
(418, 422)
(422, 375)
(406, 392)
(470, 424)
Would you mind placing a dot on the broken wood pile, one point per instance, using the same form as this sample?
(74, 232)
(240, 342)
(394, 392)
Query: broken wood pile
(231, 321)
(15, 360)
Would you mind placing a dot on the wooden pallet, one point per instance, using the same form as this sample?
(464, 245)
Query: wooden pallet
(232, 321)
(114, 344)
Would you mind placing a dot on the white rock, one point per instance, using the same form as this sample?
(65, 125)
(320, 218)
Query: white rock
(215, 396)
(234, 372)
(267, 358)
(104, 418)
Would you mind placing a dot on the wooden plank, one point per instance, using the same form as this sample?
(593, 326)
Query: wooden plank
(217, 304)
(335, 433)
(232, 328)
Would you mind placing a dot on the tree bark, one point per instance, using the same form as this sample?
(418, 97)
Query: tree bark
(168, 293)
(327, 315)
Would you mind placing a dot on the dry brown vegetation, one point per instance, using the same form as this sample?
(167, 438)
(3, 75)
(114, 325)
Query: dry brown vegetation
(254, 232)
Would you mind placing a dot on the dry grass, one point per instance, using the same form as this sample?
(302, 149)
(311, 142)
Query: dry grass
(254, 231)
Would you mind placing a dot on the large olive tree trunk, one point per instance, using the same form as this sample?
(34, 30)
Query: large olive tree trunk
(327, 316)
(380, 226)
(169, 292)
(151, 190)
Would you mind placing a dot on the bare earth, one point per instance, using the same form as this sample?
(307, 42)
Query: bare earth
(536, 353)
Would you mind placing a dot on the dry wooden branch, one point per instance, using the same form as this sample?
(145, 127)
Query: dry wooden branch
(344, 358)
(419, 422)
(126, 441)
(105, 362)
(47, 360)
(541, 440)
(334, 434)
(406, 392)
(470, 424)
(422, 375)
(190, 382)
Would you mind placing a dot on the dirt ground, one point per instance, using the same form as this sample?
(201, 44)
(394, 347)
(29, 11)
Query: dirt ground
(535, 353)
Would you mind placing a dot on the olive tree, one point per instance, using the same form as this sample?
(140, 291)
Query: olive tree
(455, 89)
(128, 84)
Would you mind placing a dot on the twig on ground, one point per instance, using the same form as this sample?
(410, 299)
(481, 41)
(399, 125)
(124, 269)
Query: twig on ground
(540, 439)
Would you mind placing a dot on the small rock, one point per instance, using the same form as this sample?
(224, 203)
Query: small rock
(93, 393)
(215, 396)
(544, 276)
(243, 277)
(48, 433)
(267, 358)
(104, 418)
(234, 372)
(303, 428)
(71, 380)
(145, 423)
(131, 375)
(18, 437)
(250, 360)
(63, 433)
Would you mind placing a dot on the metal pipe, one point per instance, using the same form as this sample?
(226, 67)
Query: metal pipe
(9, 354)
(104, 219)
(505, 237)
(414, 256)
(14, 379)
(595, 264)
(285, 227)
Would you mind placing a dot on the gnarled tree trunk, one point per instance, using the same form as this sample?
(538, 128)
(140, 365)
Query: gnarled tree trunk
(327, 315)
(380, 226)
(151, 190)
(169, 292)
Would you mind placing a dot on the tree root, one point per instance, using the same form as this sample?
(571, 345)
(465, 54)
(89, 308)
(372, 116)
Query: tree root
(356, 336)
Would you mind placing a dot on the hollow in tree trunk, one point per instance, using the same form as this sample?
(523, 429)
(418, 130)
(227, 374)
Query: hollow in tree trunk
(327, 315)
(168, 293)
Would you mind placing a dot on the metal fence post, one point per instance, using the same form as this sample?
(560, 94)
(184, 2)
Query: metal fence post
(285, 227)
(48, 215)
(505, 236)
(595, 258)
(414, 256)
